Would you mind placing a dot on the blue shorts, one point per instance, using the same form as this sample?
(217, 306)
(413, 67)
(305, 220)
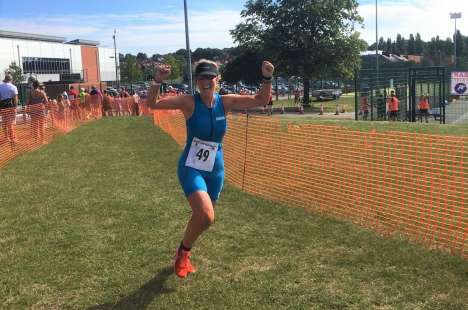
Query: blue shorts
(193, 180)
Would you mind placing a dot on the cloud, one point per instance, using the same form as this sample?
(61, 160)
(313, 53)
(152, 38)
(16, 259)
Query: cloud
(150, 32)
(428, 17)
(155, 32)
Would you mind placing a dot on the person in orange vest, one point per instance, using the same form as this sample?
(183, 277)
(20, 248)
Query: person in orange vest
(424, 107)
(393, 106)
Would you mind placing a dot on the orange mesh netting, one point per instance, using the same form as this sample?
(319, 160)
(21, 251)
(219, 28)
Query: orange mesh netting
(27, 128)
(393, 182)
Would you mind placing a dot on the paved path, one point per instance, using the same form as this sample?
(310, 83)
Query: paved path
(346, 115)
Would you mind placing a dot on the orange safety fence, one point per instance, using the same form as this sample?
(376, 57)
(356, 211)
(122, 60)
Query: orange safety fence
(393, 182)
(29, 127)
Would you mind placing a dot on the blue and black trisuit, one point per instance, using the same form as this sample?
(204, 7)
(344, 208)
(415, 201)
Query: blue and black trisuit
(205, 131)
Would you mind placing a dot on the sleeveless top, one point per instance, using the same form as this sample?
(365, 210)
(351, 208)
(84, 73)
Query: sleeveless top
(36, 97)
(207, 124)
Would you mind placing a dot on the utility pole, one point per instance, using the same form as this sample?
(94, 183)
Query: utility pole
(376, 45)
(187, 44)
(115, 60)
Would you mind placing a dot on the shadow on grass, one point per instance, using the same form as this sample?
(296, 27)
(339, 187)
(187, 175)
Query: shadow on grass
(141, 298)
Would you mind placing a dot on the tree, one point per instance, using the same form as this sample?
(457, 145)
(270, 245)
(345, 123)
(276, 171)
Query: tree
(244, 67)
(398, 44)
(403, 46)
(388, 46)
(465, 39)
(411, 45)
(418, 45)
(304, 38)
(147, 73)
(157, 57)
(16, 72)
(130, 70)
(176, 64)
(207, 53)
(393, 48)
(141, 56)
(447, 47)
(460, 44)
(381, 44)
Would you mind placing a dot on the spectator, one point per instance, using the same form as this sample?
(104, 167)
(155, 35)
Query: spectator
(381, 110)
(424, 107)
(72, 94)
(84, 104)
(117, 106)
(135, 107)
(298, 102)
(124, 93)
(270, 106)
(393, 106)
(95, 101)
(61, 106)
(35, 107)
(106, 105)
(82, 96)
(74, 108)
(223, 91)
(364, 107)
(297, 96)
(64, 95)
(94, 91)
(8, 103)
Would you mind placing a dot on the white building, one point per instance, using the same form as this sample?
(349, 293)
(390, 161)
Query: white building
(53, 59)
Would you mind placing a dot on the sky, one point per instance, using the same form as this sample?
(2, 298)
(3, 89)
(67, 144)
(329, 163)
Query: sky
(157, 26)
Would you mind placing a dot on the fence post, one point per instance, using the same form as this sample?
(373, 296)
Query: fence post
(245, 151)
(356, 95)
(443, 75)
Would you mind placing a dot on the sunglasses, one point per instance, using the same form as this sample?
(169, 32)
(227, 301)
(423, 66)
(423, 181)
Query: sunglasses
(206, 77)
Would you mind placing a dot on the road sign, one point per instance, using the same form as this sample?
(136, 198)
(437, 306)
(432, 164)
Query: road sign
(459, 85)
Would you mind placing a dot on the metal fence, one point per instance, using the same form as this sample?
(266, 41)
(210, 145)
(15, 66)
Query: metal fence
(373, 91)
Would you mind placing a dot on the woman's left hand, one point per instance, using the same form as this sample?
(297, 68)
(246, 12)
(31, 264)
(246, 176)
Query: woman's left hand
(267, 69)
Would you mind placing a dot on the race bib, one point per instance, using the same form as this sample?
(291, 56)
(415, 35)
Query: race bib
(202, 155)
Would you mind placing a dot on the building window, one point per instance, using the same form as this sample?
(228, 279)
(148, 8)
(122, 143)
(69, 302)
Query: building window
(46, 65)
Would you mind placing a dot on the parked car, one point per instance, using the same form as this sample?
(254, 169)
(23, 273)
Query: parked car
(180, 87)
(326, 94)
(112, 91)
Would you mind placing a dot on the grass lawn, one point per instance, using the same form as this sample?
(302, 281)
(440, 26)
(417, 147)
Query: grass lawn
(92, 221)
(346, 101)
(379, 126)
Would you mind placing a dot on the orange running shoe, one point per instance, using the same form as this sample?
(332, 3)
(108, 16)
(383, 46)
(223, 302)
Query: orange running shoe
(182, 265)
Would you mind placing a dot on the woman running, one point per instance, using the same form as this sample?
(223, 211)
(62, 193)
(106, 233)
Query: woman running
(201, 165)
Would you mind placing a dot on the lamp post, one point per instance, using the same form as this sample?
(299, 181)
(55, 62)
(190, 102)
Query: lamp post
(187, 44)
(115, 61)
(455, 16)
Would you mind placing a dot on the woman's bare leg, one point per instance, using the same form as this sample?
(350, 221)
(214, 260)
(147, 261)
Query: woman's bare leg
(201, 219)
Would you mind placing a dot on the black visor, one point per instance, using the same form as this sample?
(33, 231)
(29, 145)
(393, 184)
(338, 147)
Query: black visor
(206, 68)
